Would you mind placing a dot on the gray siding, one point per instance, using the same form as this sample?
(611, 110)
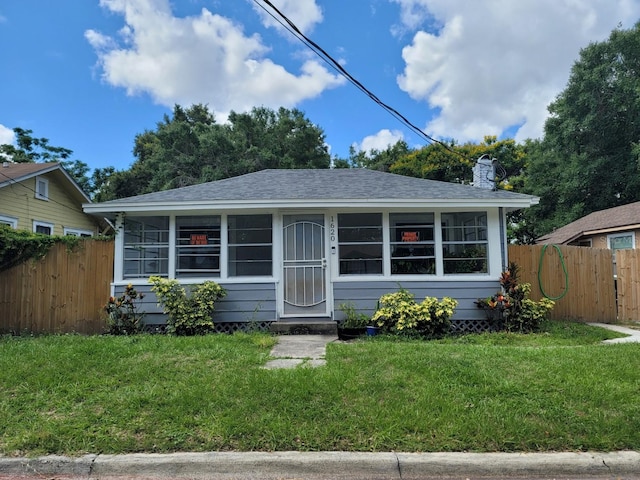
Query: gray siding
(243, 303)
(364, 295)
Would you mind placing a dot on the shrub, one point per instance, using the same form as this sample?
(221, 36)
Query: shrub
(123, 317)
(399, 313)
(188, 315)
(353, 319)
(511, 308)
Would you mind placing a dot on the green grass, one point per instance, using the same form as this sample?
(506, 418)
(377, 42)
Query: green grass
(558, 390)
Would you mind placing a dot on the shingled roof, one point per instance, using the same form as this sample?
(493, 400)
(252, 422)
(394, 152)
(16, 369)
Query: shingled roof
(348, 185)
(616, 218)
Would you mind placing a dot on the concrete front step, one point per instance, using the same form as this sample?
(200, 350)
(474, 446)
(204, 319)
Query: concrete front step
(304, 326)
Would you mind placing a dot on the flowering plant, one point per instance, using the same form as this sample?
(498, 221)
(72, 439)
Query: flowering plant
(399, 313)
(123, 317)
(512, 308)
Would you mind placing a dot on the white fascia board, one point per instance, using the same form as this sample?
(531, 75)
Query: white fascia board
(97, 208)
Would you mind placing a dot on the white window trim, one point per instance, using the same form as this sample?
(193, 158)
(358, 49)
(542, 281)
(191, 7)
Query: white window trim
(78, 232)
(38, 223)
(45, 182)
(618, 235)
(11, 221)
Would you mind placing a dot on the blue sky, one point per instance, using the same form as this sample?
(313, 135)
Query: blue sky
(89, 75)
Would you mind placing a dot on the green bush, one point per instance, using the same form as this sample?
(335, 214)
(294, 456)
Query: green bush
(399, 313)
(188, 315)
(123, 317)
(511, 308)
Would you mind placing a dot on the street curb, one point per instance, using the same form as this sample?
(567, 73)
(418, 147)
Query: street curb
(385, 465)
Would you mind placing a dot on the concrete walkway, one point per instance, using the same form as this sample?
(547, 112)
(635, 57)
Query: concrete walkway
(292, 351)
(633, 335)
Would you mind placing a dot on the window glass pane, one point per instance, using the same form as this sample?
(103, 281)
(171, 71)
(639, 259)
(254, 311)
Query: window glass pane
(412, 243)
(146, 246)
(43, 229)
(198, 246)
(360, 243)
(620, 242)
(250, 245)
(464, 242)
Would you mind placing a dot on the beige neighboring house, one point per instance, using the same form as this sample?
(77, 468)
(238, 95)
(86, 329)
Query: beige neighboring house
(44, 198)
(614, 228)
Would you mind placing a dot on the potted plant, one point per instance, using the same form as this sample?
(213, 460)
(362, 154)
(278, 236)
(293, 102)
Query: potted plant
(354, 324)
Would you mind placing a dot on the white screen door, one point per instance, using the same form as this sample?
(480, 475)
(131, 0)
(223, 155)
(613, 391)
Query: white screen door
(304, 263)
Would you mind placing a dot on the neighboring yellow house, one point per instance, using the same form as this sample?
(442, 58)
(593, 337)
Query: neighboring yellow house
(44, 198)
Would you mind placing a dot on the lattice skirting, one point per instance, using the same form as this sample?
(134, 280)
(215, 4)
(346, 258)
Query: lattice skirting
(459, 327)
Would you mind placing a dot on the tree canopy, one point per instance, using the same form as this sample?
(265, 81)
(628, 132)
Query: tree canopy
(31, 149)
(190, 147)
(588, 158)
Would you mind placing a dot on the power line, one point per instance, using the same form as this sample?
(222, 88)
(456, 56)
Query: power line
(335, 65)
(12, 182)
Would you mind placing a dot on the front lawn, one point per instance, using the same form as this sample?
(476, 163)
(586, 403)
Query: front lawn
(559, 390)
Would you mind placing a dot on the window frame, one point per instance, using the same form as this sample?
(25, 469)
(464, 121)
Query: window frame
(9, 221)
(481, 238)
(346, 242)
(145, 247)
(409, 243)
(45, 182)
(214, 248)
(77, 232)
(40, 223)
(232, 248)
(614, 236)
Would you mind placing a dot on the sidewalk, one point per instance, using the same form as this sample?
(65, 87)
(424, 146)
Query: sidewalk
(336, 465)
(633, 335)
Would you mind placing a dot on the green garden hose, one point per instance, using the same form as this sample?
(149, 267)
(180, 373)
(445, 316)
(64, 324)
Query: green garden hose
(564, 269)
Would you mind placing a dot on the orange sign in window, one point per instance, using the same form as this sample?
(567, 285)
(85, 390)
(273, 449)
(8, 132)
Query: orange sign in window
(410, 236)
(198, 239)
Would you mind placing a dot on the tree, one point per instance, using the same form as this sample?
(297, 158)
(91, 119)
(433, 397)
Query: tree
(191, 147)
(454, 163)
(31, 149)
(588, 158)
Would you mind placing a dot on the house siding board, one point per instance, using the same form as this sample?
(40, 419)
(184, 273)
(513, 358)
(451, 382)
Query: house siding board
(15, 202)
(364, 295)
(243, 303)
(62, 210)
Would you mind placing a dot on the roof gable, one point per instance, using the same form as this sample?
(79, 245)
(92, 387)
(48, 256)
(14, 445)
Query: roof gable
(11, 173)
(319, 185)
(610, 218)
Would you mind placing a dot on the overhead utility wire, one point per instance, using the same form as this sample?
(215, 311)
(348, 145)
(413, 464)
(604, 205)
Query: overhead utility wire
(320, 52)
(13, 182)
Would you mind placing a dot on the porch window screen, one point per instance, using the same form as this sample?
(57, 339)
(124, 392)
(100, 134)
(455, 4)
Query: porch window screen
(464, 242)
(146, 247)
(360, 243)
(198, 246)
(250, 245)
(412, 244)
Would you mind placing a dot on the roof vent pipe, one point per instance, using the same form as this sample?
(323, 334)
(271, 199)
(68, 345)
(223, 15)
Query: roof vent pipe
(484, 173)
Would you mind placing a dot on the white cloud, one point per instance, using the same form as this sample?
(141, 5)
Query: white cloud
(199, 59)
(379, 141)
(304, 14)
(7, 137)
(495, 65)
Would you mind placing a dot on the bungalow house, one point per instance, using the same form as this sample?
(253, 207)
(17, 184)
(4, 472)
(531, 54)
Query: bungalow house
(293, 245)
(44, 198)
(614, 228)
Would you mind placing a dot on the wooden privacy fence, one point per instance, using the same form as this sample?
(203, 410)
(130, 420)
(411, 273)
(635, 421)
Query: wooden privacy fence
(61, 293)
(590, 293)
(628, 284)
